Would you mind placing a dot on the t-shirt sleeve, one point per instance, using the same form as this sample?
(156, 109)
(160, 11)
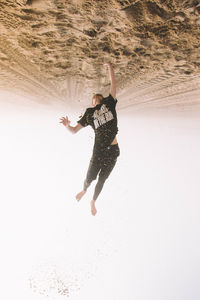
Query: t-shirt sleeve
(84, 119)
(110, 100)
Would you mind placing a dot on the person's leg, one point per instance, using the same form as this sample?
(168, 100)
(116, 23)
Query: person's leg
(94, 168)
(106, 168)
(103, 175)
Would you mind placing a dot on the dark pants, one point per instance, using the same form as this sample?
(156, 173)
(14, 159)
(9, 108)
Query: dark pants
(102, 163)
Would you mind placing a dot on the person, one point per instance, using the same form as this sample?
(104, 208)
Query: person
(102, 117)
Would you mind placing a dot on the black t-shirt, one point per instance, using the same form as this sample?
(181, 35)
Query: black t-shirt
(103, 119)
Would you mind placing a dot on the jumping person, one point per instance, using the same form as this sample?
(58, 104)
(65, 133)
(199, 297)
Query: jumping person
(102, 118)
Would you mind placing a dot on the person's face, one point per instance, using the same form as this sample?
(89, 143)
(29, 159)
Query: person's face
(96, 100)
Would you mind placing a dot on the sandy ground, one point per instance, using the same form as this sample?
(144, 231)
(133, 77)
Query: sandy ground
(54, 50)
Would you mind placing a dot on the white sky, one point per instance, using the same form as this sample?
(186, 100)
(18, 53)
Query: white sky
(143, 243)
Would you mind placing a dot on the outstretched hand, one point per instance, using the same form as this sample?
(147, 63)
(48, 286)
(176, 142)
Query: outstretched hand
(65, 121)
(107, 64)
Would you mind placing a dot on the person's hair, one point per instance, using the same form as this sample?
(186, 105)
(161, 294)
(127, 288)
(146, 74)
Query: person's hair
(100, 96)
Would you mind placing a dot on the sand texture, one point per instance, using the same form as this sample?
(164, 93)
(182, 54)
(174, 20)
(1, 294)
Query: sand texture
(54, 50)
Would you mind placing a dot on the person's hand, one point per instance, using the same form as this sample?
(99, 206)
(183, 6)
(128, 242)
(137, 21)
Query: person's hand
(65, 121)
(107, 65)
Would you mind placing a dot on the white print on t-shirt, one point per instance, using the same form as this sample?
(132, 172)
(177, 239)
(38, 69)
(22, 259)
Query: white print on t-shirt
(102, 116)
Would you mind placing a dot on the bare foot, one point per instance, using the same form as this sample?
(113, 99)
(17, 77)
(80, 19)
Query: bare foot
(80, 195)
(93, 208)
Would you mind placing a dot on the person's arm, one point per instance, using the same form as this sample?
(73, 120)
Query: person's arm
(112, 80)
(73, 129)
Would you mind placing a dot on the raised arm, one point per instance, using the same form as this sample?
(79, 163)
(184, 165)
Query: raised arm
(112, 80)
(73, 129)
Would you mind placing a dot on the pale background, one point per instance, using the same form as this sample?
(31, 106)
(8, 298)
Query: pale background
(144, 241)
